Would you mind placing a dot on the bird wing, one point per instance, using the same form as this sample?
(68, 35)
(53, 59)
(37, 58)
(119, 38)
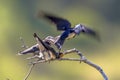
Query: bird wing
(91, 33)
(47, 47)
(61, 39)
(61, 24)
(40, 42)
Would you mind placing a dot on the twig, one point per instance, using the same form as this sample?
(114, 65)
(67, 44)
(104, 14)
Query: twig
(82, 59)
(29, 72)
(89, 63)
(85, 60)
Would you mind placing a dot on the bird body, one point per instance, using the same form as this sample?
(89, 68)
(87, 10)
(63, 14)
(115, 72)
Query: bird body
(71, 35)
(43, 48)
(50, 51)
(67, 34)
(65, 26)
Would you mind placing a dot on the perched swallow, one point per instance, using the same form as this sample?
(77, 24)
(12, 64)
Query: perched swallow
(50, 40)
(65, 26)
(47, 48)
(42, 47)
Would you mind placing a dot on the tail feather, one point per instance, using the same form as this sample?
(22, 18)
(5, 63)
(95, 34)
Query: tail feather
(32, 49)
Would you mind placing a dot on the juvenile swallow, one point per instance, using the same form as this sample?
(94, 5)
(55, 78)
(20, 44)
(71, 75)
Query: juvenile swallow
(50, 40)
(42, 47)
(65, 26)
(47, 48)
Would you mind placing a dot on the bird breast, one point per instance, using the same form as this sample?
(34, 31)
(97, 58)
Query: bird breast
(71, 35)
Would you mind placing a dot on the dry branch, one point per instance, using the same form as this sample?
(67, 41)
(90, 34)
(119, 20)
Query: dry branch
(81, 59)
(29, 72)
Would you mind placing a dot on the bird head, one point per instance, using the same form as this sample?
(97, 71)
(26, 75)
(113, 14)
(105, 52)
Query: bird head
(78, 28)
(82, 28)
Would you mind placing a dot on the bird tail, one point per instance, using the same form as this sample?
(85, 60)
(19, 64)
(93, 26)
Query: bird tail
(32, 49)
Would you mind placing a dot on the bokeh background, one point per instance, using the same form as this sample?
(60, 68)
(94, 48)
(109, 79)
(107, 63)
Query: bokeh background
(18, 19)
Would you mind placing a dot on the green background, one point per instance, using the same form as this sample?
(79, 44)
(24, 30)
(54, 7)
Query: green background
(18, 19)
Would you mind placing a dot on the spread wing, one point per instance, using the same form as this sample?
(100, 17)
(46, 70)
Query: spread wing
(91, 33)
(61, 24)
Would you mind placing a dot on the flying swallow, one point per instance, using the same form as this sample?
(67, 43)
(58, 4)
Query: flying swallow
(65, 26)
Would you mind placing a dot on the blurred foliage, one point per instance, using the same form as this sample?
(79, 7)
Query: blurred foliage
(18, 19)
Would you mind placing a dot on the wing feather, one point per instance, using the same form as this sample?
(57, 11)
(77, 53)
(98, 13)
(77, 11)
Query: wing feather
(61, 24)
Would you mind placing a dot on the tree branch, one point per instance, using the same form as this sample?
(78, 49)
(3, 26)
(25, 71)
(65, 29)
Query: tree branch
(89, 63)
(85, 60)
(82, 59)
(29, 72)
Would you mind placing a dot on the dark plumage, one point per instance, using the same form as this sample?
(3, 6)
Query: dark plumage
(33, 49)
(65, 26)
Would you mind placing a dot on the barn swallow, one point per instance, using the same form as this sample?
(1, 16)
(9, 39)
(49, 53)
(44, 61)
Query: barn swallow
(65, 26)
(47, 48)
(42, 47)
(50, 40)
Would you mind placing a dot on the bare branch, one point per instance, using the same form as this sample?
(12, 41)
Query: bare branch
(82, 59)
(29, 72)
(85, 60)
(89, 63)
